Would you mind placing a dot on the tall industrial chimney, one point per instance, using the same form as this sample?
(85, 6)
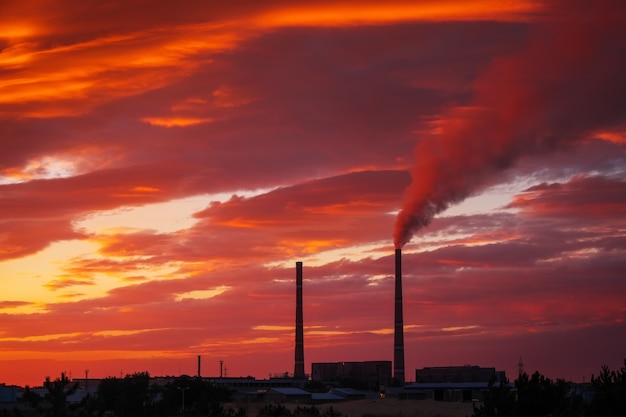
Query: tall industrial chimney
(398, 343)
(199, 374)
(298, 371)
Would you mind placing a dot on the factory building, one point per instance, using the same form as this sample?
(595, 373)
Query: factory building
(367, 375)
(466, 373)
(452, 383)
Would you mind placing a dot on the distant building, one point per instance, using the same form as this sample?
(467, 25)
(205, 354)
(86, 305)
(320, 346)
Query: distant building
(294, 395)
(348, 393)
(90, 384)
(466, 373)
(452, 383)
(445, 391)
(252, 384)
(369, 374)
(325, 398)
(9, 394)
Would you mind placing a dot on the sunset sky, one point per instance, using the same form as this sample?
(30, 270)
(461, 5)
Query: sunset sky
(163, 165)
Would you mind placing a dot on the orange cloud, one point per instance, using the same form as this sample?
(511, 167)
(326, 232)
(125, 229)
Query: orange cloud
(346, 13)
(146, 189)
(615, 137)
(75, 77)
(71, 78)
(66, 282)
(175, 121)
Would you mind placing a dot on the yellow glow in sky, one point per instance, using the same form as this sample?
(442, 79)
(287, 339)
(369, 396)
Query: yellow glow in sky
(203, 294)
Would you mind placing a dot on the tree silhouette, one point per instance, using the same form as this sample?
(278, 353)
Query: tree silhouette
(56, 397)
(32, 398)
(609, 393)
(131, 396)
(533, 396)
(201, 397)
(540, 396)
(499, 400)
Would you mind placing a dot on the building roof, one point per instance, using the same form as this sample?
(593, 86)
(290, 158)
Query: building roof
(290, 391)
(326, 396)
(446, 385)
(347, 392)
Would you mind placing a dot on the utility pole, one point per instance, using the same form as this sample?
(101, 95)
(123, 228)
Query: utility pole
(183, 389)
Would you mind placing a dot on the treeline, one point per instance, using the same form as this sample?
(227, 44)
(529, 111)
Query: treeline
(538, 396)
(135, 395)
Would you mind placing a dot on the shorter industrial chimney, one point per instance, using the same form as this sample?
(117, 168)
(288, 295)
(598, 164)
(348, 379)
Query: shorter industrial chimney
(298, 372)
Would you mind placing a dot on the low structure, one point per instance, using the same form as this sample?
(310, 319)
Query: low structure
(291, 395)
(367, 375)
(452, 383)
(465, 373)
(250, 383)
(445, 391)
(9, 394)
(325, 397)
(348, 393)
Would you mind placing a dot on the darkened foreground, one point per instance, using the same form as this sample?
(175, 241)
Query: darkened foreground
(137, 395)
(540, 396)
(132, 396)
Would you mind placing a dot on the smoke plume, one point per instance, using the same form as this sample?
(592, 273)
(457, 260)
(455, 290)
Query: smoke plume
(566, 84)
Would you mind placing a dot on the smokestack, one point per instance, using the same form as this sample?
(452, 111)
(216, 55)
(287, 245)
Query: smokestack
(398, 345)
(298, 371)
(199, 366)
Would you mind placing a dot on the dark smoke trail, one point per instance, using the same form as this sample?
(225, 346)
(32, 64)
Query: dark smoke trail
(566, 84)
